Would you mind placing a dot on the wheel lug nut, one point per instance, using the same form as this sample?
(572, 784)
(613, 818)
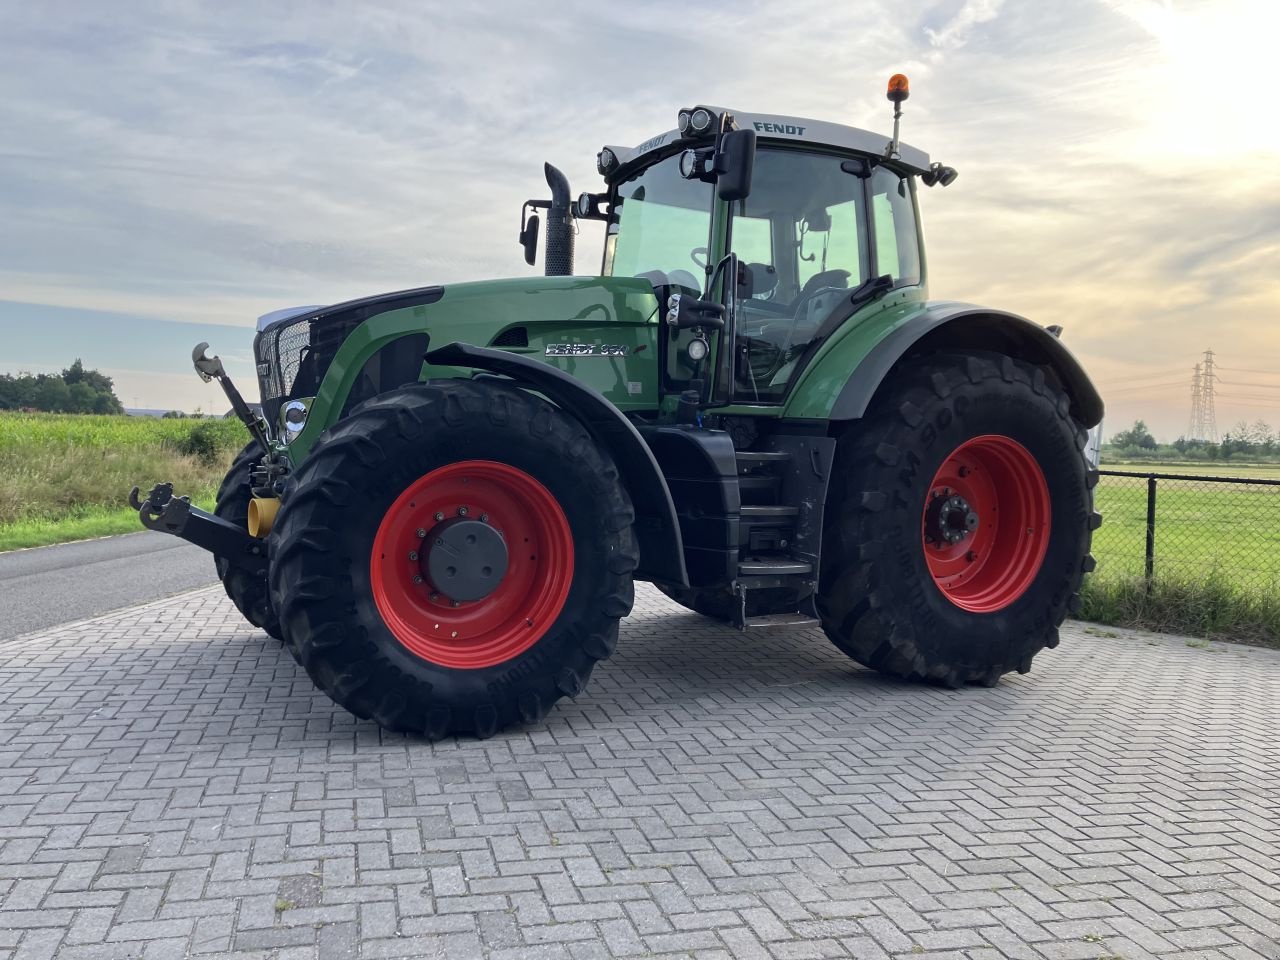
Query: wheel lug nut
(462, 511)
(417, 579)
(422, 534)
(413, 554)
(453, 603)
(484, 518)
(434, 595)
(439, 517)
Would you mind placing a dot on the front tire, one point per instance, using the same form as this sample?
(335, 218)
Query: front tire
(454, 557)
(247, 591)
(959, 521)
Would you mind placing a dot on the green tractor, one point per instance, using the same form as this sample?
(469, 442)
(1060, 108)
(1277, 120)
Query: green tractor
(755, 406)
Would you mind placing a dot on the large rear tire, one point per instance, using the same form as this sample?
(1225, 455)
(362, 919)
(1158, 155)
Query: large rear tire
(453, 557)
(247, 591)
(958, 525)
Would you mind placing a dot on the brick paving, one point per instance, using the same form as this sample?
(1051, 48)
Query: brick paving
(171, 786)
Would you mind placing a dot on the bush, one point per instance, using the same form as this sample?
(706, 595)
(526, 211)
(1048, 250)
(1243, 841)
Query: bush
(209, 440)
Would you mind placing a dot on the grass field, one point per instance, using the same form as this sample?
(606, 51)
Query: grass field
(1227, 468)
(1217, 557)
(65, 477)
(1217, 554)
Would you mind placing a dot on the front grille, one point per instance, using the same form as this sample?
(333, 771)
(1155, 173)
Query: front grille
(281, 351)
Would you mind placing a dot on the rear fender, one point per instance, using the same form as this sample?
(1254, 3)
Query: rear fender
(657, 527)
(942, 327)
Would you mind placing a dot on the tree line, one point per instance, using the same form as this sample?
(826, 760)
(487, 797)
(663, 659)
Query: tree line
(74, 390)
(1244, 440)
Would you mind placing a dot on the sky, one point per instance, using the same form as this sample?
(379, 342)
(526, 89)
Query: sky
(169, 171)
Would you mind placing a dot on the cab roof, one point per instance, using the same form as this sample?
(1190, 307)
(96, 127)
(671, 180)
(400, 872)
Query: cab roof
(776, 128)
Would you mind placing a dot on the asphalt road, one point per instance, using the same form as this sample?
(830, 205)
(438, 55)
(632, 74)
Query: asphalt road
(47, 586)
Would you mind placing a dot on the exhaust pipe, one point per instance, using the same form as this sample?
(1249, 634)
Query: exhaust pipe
(559, 255)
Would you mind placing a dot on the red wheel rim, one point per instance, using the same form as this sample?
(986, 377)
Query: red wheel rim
(523, 605)
(993, 489)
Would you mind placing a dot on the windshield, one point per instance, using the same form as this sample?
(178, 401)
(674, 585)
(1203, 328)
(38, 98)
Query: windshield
(658, 227)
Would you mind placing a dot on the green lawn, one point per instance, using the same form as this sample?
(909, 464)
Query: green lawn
(1222, 468)
(1217, 556)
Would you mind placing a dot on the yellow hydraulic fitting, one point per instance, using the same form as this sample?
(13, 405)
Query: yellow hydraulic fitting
(262, 514)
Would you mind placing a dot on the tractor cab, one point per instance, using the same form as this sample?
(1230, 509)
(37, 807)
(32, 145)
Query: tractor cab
(785, 225)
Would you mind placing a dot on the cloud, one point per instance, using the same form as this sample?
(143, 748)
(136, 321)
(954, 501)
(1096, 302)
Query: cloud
(955, 33)
(200, 163)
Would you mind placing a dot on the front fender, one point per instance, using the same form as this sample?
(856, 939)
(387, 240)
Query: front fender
(943, 326)
(657, 527)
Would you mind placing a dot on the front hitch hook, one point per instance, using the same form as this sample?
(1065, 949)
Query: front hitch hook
(207, 368)
(161, 510)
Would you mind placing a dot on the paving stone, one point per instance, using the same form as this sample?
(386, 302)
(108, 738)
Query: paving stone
(172, 785)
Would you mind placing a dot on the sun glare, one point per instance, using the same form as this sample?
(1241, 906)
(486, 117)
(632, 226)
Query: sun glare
(1213, 88)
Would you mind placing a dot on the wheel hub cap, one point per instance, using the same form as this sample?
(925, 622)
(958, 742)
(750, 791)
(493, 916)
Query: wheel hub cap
(467, 559)
(949, 519)
(472, 564)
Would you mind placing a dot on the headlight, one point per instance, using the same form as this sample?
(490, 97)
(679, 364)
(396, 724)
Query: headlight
(682, 122)
(293, 417)
(700, 120)
(697, 350)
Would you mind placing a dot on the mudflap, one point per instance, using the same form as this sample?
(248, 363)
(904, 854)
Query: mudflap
(163, 512)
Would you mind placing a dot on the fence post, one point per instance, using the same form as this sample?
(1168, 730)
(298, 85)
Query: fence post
(1151, 531)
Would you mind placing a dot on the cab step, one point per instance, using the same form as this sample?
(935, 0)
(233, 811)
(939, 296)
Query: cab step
(769, 511)
(778, 620)
(752, 458)
(772, 567)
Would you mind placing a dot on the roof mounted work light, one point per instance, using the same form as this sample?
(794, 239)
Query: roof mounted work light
(606, 161)
(698, 121)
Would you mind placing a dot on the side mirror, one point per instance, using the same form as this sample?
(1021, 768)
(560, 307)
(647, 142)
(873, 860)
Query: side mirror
(734, 164)
(529, 239)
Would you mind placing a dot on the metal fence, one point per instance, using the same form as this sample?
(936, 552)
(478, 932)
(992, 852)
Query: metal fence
(1182, 527)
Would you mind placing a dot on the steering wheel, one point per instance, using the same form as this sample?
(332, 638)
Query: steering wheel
(694, 254)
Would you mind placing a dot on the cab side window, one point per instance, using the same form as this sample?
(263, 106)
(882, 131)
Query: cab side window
(833, 240)
(897, 243)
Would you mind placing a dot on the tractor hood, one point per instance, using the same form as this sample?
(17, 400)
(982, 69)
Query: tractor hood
(363, 345)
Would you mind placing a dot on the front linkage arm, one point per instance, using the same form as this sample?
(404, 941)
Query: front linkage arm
(210, 368)
(163, 512)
